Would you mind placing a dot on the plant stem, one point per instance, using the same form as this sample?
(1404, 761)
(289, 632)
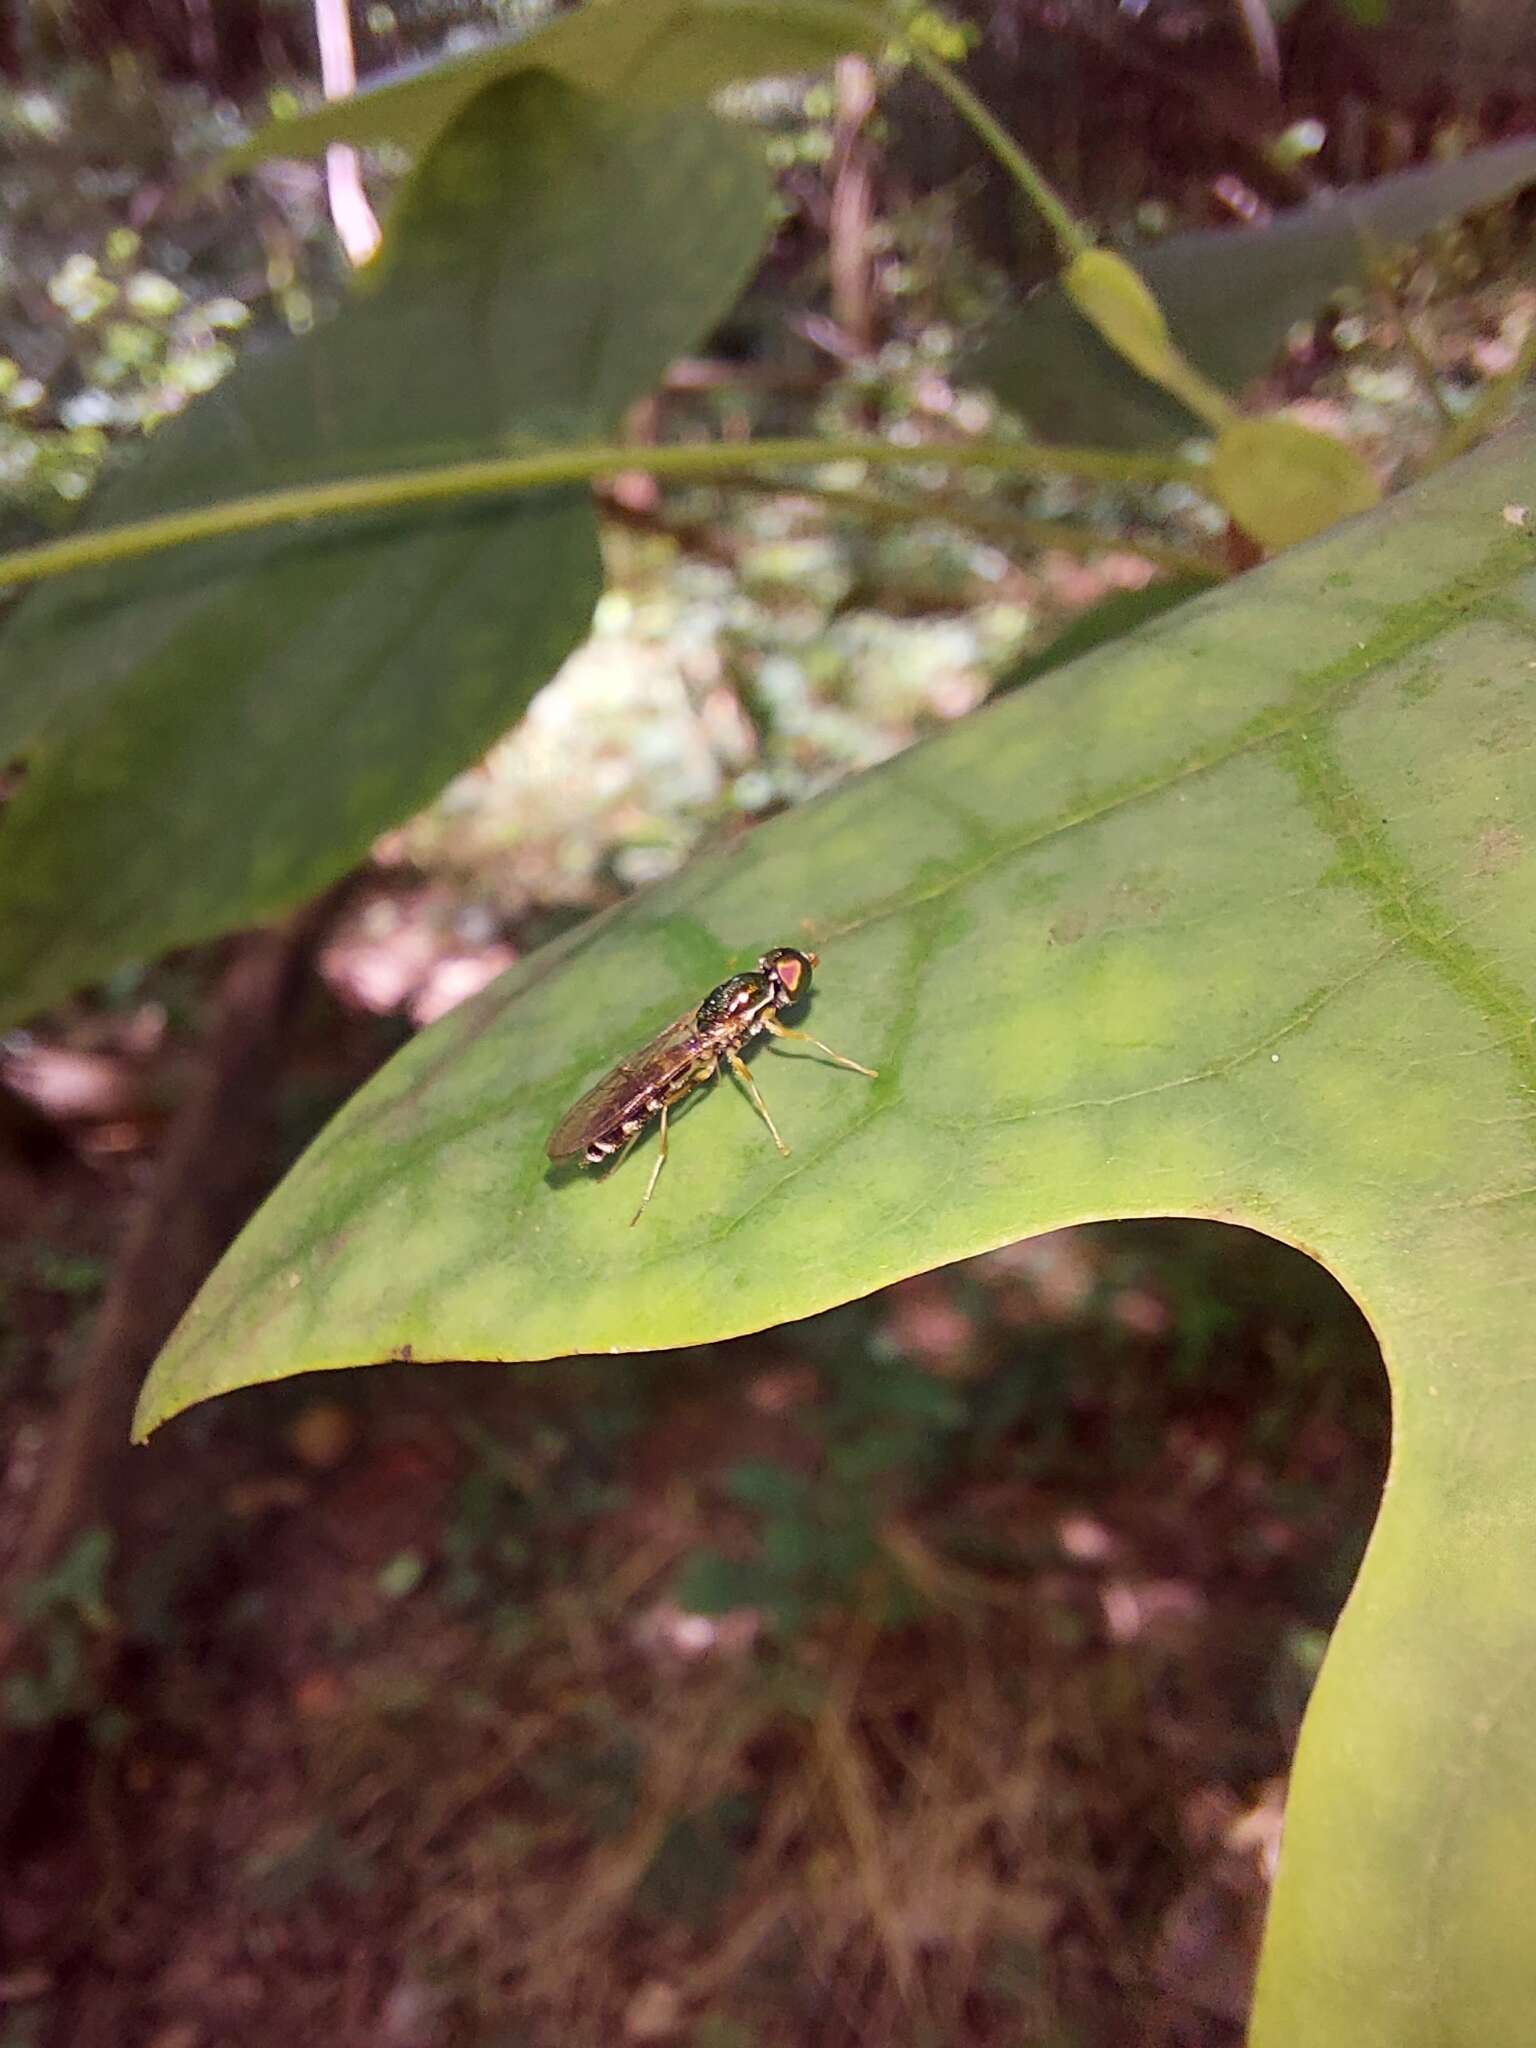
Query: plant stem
(1071, 238)
(501, 475)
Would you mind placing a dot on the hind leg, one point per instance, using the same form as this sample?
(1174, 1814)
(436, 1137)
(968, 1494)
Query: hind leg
(661, 1160)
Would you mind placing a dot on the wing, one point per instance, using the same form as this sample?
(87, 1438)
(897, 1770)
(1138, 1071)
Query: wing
(621, 1091)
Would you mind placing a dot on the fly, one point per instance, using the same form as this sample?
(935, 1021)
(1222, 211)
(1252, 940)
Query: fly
(610, 1117)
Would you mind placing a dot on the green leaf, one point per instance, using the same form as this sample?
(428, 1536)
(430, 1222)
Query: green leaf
(216, 732)
(1110, 619)
(656, 53)
(1231, 919)
(1230, 297)
(1283, 482)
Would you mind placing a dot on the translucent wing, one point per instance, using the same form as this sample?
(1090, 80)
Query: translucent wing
(625, 1088)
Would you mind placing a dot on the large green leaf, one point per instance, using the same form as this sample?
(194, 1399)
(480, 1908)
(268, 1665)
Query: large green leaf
(1230, 296)
(658, 53)
(214, 733)
(1233, 918)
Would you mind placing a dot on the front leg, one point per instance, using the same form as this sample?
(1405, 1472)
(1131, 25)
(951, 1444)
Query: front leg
(788, 1031)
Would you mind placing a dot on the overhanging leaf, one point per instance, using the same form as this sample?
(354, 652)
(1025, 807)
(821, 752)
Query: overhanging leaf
(1230, 919)
(657, 53)
(1230, 298)
(215, 733)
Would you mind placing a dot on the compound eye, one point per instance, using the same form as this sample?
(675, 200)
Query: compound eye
(791, 973)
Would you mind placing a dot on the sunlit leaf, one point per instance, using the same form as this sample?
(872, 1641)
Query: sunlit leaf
(1232, 918)
(656, 53)
(214, 733)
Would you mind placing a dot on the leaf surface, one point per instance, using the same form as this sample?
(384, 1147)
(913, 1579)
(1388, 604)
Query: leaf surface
(1232, 918)
(657, 53)
(308, 689)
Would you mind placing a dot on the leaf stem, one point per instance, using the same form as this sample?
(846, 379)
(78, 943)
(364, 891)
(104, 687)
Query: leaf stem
(1071, 238)
(501, 475)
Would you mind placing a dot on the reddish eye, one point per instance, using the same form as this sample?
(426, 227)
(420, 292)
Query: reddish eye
(789, 971)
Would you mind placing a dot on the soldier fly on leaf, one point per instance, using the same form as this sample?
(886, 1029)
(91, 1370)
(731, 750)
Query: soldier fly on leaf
(610, 1117)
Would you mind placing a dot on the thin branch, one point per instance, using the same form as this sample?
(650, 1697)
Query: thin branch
(501, 476)
(849, 255)
(357, 229)
(1257, 27)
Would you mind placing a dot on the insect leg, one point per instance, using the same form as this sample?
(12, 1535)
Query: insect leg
(788, 1031)
(661, 1160)
(740, 1070)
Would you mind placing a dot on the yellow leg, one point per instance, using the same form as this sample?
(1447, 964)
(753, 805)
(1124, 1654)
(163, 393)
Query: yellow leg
(788, 1031)
(739, 1069)
(661, 1160)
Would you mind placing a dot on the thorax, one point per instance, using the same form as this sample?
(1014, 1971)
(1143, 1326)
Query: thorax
(734, 1012)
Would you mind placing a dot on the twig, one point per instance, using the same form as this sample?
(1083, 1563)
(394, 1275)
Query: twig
(357, 228)
(853, 205)
(1257, 27)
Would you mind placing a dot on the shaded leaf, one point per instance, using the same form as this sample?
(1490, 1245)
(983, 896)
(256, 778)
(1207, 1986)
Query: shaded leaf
(1230, 297)
(1230, 919)
(1111, 296)
(216, 732)
(1283, 482)
(657, 53)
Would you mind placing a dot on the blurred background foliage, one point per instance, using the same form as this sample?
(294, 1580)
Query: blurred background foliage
(927, 1673)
